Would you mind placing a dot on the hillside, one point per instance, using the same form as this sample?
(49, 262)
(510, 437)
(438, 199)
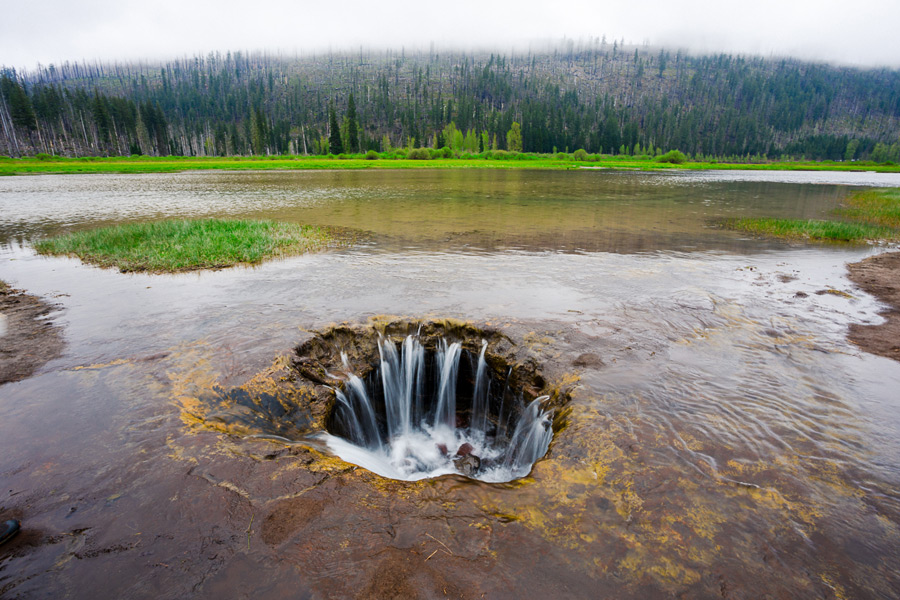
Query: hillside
(597, 96)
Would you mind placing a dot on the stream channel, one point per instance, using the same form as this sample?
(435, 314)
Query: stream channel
(722, 439)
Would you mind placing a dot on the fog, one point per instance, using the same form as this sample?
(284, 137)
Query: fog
(54, 31)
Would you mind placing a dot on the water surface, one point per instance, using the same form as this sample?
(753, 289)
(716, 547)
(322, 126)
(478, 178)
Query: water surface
(723, 435)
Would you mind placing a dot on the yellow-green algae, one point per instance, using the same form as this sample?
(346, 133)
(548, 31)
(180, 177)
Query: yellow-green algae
(662, 522)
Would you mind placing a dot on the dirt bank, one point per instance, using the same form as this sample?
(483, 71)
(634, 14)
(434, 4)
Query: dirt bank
(27, 338)
(879, 276)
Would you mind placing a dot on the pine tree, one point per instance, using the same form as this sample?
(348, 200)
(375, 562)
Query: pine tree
(334, 139)
(352, 127)
(20, 109)
(101, 119)
(259, 132)
(727, 105)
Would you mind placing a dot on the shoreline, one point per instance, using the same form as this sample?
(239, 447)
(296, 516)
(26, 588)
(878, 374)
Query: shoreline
(879, 276)
(29, 166)
(27, 339)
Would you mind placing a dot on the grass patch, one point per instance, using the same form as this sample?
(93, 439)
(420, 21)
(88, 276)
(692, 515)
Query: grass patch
(878, 207)
(830, 231)
(870, 215)
(186, 245)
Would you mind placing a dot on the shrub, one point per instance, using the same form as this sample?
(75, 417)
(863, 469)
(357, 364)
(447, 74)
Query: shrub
(676, 157)
(371, 155)
(580, 155)
(418, 154)
(42, 156)
(562, 156)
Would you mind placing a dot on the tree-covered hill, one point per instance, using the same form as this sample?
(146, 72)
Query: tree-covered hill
(597, 96)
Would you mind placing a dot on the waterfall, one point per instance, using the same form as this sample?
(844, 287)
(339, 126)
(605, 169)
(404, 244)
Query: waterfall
(446, 398)
(482, 391)
(404, 421)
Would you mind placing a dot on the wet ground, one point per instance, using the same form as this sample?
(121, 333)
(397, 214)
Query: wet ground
(879, 276)
(723, 437)
(28, 339)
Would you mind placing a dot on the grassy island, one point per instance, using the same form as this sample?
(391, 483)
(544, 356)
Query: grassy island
(866, 216)
(186, 245)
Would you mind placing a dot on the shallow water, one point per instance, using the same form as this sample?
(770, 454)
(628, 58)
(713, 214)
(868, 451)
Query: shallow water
(452, 210)
(723, 435)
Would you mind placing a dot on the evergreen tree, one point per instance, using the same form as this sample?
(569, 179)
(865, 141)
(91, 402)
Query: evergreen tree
(738, 106)
(101, 119)
(21, 110)
(334, 139)
(259, 132)
(352, 127)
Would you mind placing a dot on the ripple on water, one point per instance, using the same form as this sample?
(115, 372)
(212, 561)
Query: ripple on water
(722, 424)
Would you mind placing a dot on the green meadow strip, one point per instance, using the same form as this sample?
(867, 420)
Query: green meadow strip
(419, 158)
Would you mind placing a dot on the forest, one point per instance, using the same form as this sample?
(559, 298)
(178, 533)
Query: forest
(592, 95)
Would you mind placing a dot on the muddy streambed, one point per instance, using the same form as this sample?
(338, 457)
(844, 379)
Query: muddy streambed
(721, 438)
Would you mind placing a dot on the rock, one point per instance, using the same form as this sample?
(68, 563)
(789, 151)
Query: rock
(443, 449)
(467, 465)
(465, 449)
(588, 360)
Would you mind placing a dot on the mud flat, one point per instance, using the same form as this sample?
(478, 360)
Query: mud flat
(879, 276)
(27, 339)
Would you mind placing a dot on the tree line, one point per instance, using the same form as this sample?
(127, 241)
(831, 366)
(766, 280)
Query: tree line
(598, 96)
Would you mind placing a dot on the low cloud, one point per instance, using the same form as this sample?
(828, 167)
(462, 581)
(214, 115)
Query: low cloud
(53, 31)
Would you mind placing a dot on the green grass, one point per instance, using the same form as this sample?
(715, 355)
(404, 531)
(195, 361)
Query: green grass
(869, 215)
(877, 207)
(185, 245)
(831, 231)
(164, 164)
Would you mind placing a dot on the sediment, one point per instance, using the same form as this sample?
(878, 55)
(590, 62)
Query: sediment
(880, 277)
(27, 339)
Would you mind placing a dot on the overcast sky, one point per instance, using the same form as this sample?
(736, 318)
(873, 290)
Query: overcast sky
(54, 31)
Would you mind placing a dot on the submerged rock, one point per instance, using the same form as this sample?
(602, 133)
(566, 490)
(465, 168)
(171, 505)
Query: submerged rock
(467, 465)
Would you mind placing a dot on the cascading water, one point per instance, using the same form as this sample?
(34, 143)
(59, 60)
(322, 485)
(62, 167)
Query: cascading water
(427, 413)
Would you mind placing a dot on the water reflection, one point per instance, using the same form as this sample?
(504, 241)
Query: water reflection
(435, 210)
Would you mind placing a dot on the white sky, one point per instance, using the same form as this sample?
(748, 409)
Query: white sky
(54, 31)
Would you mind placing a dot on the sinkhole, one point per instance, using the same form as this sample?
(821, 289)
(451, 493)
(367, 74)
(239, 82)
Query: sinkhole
(426, 407)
